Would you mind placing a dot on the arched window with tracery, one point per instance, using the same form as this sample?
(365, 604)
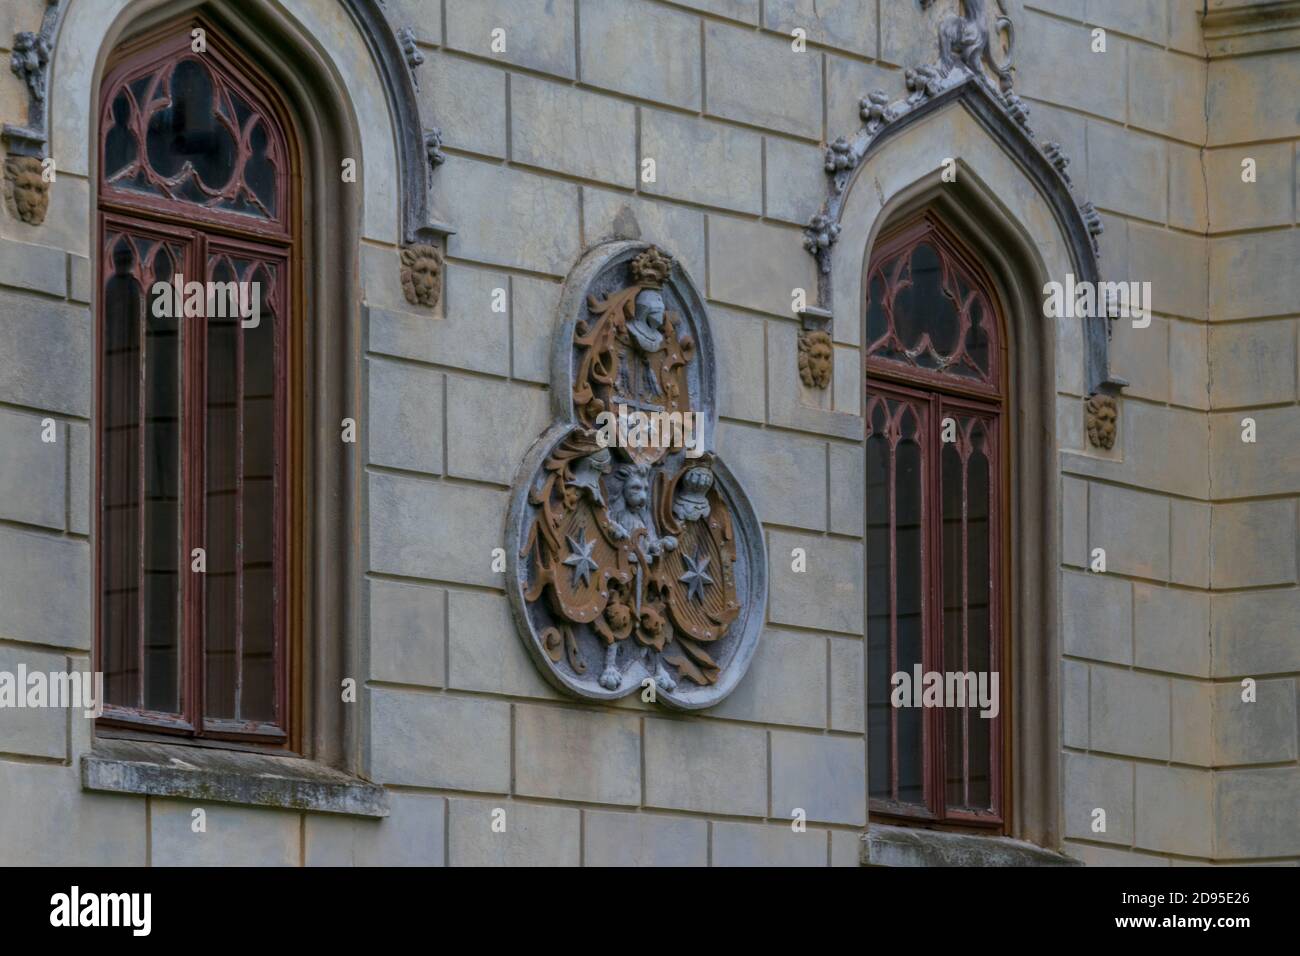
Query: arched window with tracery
(936, 490)
(197, 184)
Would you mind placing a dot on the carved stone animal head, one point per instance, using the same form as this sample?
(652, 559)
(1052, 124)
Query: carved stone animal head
(815, 355)
(26, 191)
(1103, 420)
(421, 275)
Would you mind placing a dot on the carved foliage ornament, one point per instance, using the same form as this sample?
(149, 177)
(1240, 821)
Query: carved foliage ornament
(422, 275)
(635, 559)
(27, 193)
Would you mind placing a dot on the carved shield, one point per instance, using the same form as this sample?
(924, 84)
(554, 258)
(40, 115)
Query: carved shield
(634, 566)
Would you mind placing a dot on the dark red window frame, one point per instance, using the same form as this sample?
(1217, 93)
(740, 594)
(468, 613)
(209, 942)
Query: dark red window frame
(937, 527)
(207, 231)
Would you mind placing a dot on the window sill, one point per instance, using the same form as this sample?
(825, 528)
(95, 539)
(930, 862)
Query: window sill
(227, 776)
(905, 846)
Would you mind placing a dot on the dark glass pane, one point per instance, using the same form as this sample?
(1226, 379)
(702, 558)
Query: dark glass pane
(953, 656)
(257, 501)
(222, 519)
(120, 533)
(259, 173)
(120, 145)
(908, 535)
(977, 336)
(921, 309)
(162, 434)
(187, 131)
(878, 608)
(980, 635)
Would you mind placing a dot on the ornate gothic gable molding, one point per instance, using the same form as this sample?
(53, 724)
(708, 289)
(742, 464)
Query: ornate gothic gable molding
(958, 75)
(30, 61)
(630, 563)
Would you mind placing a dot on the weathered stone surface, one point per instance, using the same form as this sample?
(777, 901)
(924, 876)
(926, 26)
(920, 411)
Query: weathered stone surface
(1261, 731)
(35, 731)
(824, 775)
(847, 24)
(1106, 856)
(536, 217)
(486, 654)
(79, 478)
(1130, 713)
(1175, 812)
(1074, 704)
(47, 354)
(786, 682)
(532, 326)
(235, 836)
(490, 426)
(786, 472)
(1133, 527)
(559, 127)
(1127, 170)
(212, 775)
(1166, 93)
(435, 530)
(607, 215)
(828, 595)
(1141, 357)
(1189, 537)
(643, 839)
(404, 426)
(32, 479)
(471, 335)
(1188, 360)
(1188, 203)
(1074, 522)
(641, 49)
(35, 268)
(702, 161)
(1253, 544)
(1096, 617)
(468, 102)
(408, 641)
(1236, 204)
(742, 364)
(1147, 21)
(743, 10)
(44, 589)
(848, 689)
(705, 766)
(1254, 633)
(1236, 265)
(757, 79)
(910, 846)
(538, 33)
(796, 180)
(759, 844)
(1243, 101)
(413, 834)
(433, 740)
(1252, 363)
(1255, 813)
(1191, 722)
(1098, 783)
(1038, 68)
(1172, 630)
(847, 82)
(46, 820)
(533, 836)
(582, 755)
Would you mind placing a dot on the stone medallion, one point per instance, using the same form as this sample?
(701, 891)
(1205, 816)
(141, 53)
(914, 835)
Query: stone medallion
(635, 560)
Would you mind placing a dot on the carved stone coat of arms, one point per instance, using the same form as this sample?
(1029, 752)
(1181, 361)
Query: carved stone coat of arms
(636, 560)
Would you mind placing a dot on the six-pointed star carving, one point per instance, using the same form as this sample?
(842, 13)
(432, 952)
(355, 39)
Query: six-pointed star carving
(695, 577)
(580, 557)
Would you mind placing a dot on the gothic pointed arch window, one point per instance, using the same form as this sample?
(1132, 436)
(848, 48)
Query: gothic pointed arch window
(936, 429)
(199, 259)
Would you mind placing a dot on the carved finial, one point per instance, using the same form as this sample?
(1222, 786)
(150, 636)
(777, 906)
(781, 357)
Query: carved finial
(839, 156)
(652, 268)
(30, 56)
(406, 37)
(819, 235)
(433, 147)
(1056, 156)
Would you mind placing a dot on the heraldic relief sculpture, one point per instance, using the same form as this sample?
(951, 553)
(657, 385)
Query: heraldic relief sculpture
(635, 560)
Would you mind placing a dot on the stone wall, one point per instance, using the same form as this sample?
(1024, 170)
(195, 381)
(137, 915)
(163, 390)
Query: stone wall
(544, 143)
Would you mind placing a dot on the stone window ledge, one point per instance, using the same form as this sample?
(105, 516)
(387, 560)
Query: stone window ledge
(227, 776)
(905, 846)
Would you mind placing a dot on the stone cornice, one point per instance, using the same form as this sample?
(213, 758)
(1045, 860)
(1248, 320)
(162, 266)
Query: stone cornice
(1240, 28)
